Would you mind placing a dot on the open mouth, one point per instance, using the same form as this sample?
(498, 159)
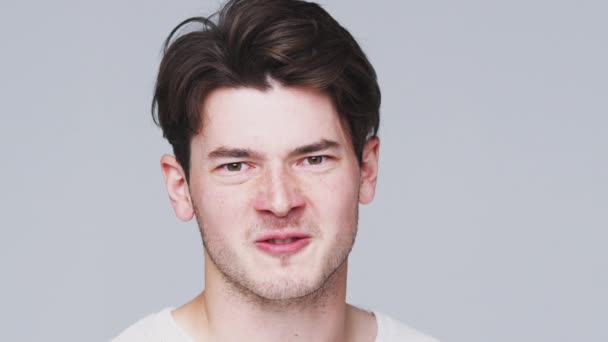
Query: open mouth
(282, 245)
(282, 241)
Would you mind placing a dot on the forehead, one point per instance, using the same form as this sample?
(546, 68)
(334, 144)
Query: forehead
(274, 119)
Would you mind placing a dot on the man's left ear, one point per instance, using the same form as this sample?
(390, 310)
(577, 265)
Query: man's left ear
(369, 170)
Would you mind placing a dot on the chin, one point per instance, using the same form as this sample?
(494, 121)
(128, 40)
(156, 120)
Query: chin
(286, 289)
(294, 290)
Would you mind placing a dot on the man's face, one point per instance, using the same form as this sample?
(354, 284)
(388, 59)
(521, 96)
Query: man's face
(275, 187)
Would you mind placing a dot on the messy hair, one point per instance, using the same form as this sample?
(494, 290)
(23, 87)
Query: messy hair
(293, 42)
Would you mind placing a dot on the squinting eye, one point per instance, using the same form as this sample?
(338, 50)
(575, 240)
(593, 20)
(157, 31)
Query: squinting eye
(233, 167)
(315, 160)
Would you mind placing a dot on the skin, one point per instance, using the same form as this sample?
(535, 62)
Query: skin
(273, 161)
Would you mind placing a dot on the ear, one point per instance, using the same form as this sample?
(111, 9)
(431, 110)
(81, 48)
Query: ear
(177, 187)
(369, 170)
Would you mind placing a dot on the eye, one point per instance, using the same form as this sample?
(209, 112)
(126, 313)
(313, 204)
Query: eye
(315, 160)
(234, 167)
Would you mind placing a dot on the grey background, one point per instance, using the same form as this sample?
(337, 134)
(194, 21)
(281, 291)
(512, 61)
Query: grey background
(491, 214)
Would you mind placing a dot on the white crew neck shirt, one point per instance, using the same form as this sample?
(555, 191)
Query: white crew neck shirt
(161, 327)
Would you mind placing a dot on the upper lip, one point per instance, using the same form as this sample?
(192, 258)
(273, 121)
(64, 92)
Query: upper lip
(282, 236)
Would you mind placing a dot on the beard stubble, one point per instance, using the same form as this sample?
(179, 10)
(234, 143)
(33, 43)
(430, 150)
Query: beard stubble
(279, 295)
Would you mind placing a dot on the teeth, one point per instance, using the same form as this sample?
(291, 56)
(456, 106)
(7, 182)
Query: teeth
(281, 241)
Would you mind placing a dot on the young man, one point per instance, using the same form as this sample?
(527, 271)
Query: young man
(272, 113)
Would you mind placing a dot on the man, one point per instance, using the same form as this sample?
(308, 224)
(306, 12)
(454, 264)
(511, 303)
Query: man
(272, 113)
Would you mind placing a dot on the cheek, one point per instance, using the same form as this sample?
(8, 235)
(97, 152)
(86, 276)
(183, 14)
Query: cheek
(221, 209)
(336, 198)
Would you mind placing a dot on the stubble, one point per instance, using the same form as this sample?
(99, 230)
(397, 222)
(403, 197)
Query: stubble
(282, 294)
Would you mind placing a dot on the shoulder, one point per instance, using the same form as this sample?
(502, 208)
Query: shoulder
(156, 327)
(391, 330)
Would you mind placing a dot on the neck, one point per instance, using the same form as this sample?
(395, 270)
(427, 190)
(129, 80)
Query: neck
(225, 313)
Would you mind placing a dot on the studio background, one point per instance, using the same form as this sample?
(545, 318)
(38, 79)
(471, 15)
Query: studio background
(490, 218)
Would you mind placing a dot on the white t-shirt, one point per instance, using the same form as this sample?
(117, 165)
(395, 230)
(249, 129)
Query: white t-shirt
(161, 327)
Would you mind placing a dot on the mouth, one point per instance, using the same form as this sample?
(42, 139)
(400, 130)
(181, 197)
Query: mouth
(281, 241)
(281, 244)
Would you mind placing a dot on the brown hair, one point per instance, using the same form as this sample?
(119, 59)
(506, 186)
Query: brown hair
(294, 42)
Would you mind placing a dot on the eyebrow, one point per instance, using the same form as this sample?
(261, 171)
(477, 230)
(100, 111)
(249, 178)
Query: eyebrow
(229, 152)
(315, 147)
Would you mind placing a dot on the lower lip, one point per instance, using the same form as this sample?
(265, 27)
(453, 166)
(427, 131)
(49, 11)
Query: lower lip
(280, 249)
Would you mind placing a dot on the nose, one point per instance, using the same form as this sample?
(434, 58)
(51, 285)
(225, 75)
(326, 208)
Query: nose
(279, 193)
